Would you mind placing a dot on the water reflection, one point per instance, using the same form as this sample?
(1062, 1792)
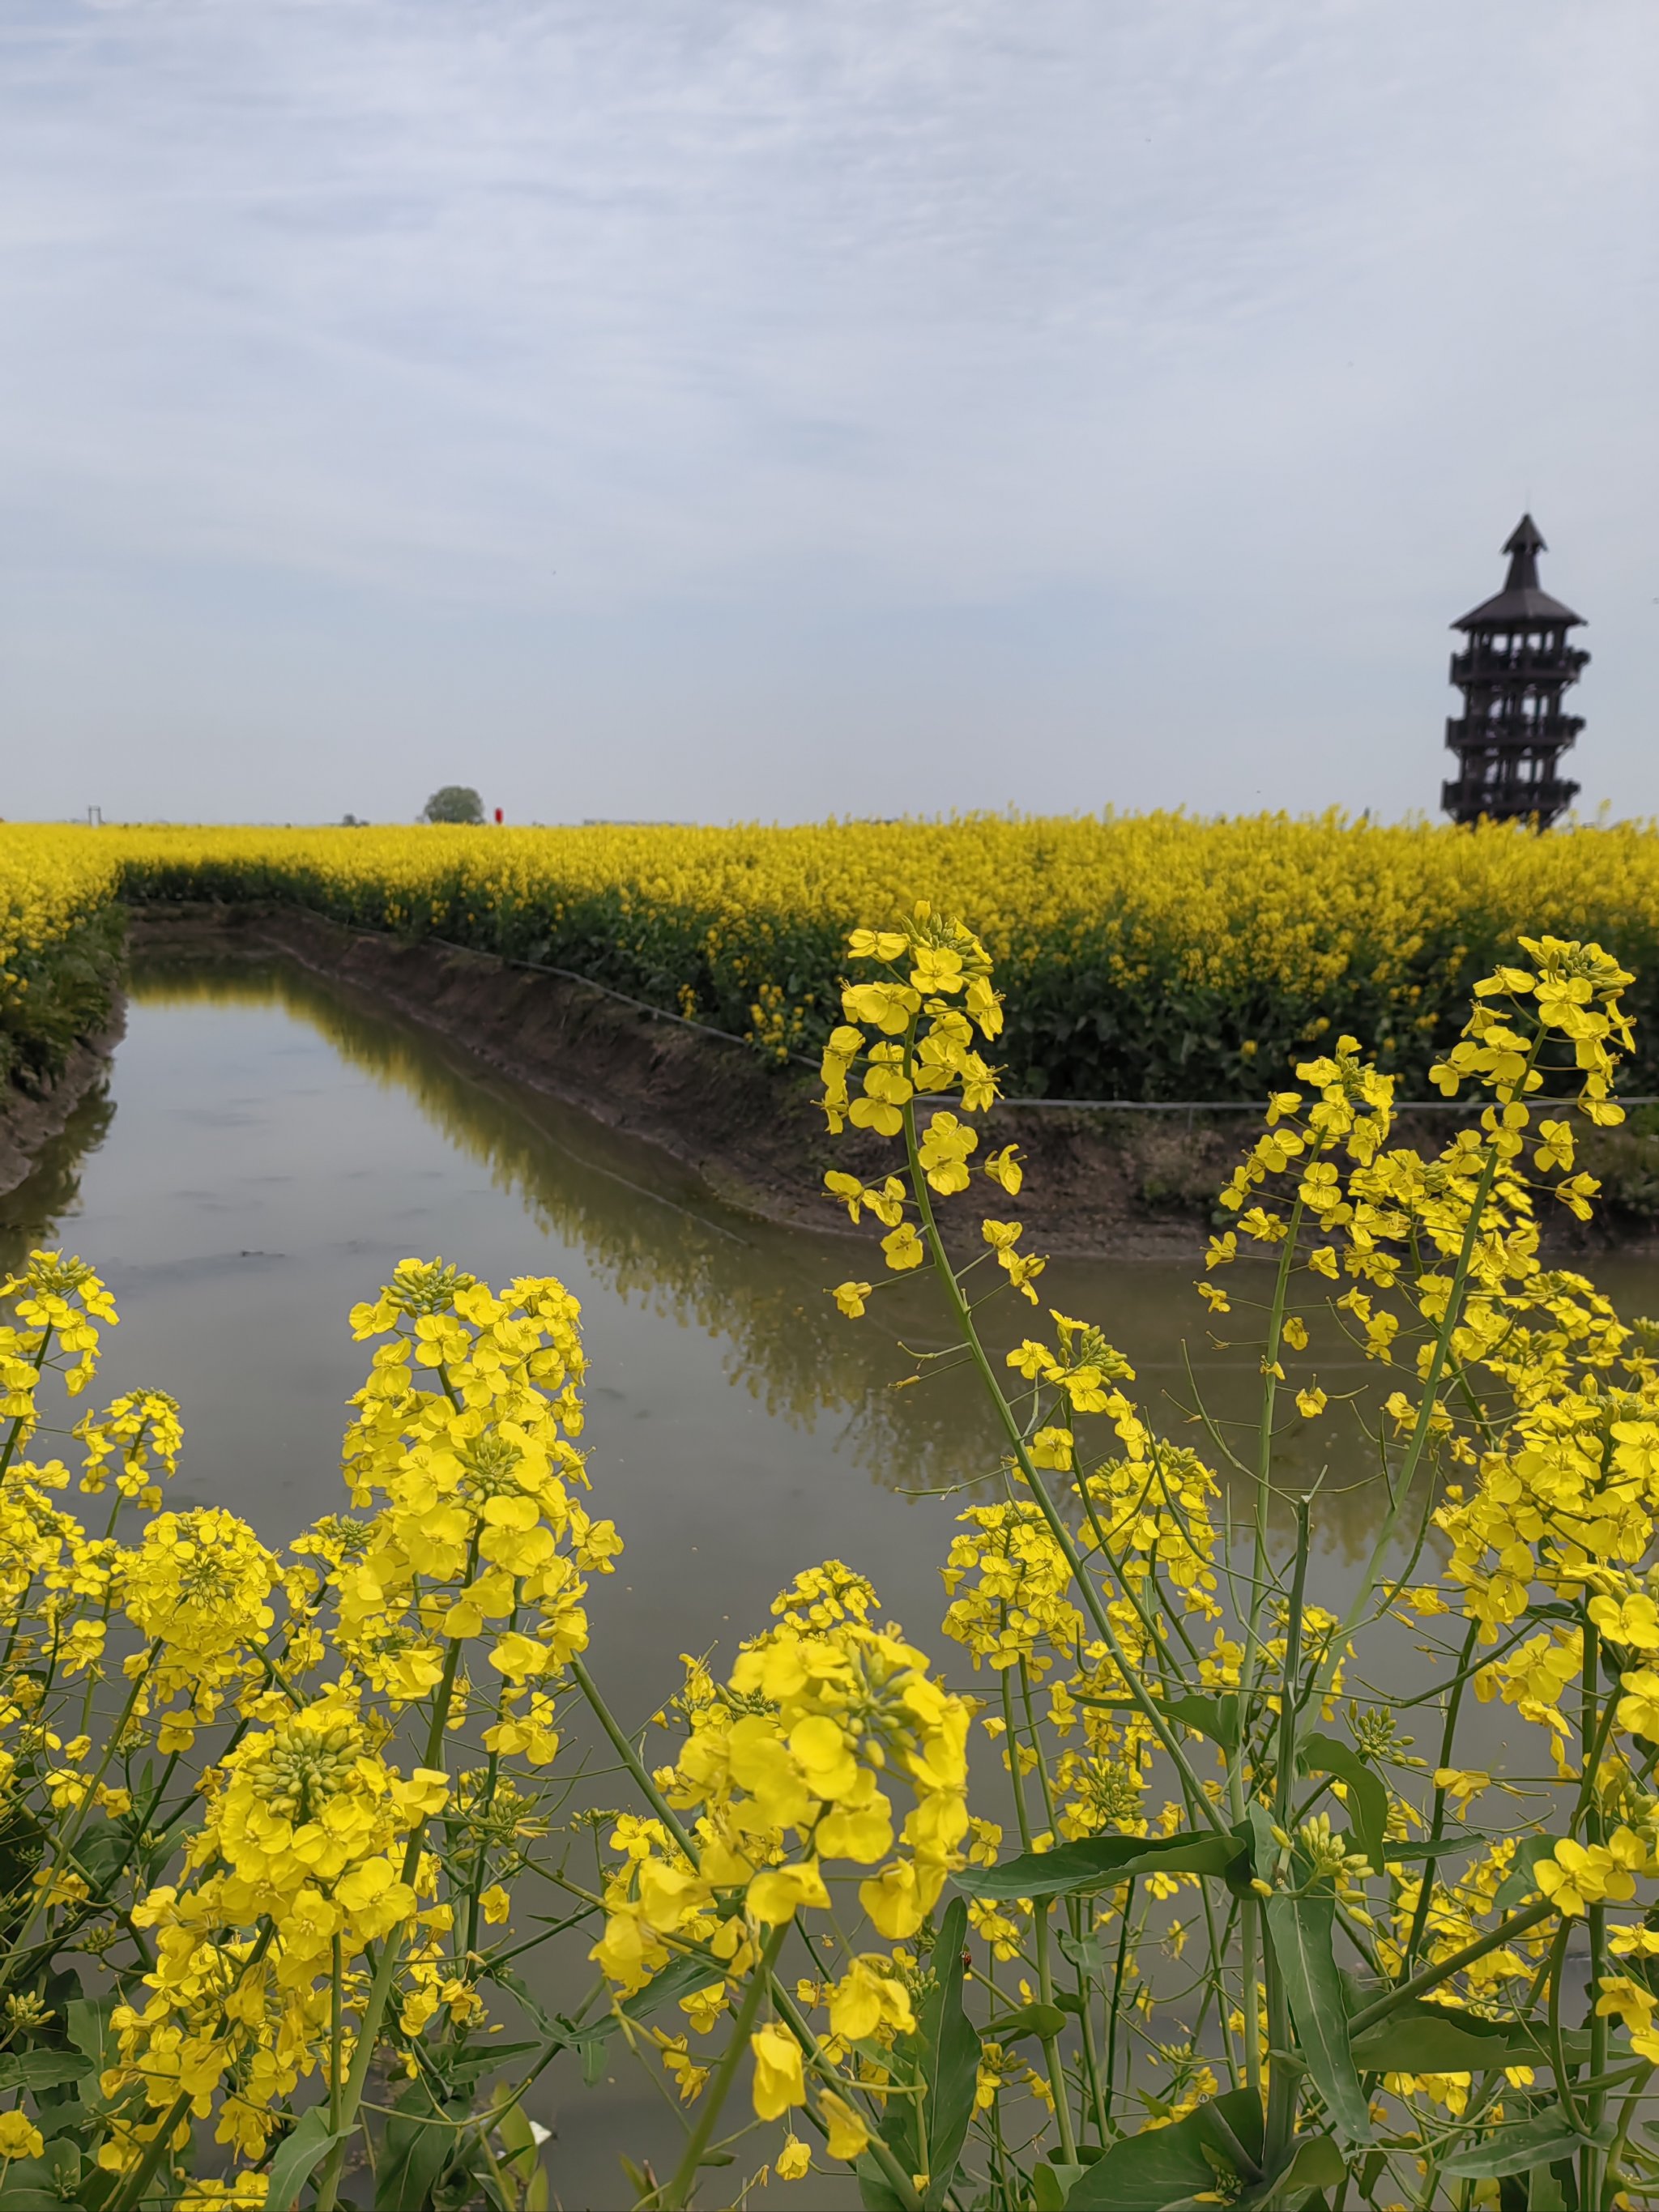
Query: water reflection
(30, 1212)
(659, 1240)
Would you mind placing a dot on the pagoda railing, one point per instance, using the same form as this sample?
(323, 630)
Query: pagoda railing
(1468, 798)
(1513, 733)
(1565, 661)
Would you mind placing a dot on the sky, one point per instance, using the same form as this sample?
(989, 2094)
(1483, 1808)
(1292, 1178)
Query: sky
(762, 410)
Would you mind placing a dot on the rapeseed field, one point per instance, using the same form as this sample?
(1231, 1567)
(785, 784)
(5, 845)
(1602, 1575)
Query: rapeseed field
(1152, 956)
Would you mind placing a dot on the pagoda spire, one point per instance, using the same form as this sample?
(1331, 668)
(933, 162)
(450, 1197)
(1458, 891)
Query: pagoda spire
(1512, 672)
(1523, 546)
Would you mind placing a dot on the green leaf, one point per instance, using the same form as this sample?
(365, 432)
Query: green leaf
(1315, 2163)
(1101, 1862)
(1088, 1955)
(875, 2192)
(302, 2150)
(940, 2059)
(1214, 1717)
(591, 2050)
(1367, 1796)
(950, 2059)
(101, 1847)
(1538, 2142)
(1443, 1847)
(1150, 2172)
(678, 1979)
(420, 2141)
(90, 2032)
(1430, 2039)
(462, 2067)
(1257, 1850)
(41, 2070)
(1039, 2020)
(1318, 2164)
(519, 2157)
(1299, 1929)
(1052, 2184)
(1371, 2170)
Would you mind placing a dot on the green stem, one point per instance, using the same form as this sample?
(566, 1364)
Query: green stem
(1432, 1977)
(1592, 1736)
(1564, 2086)
(1372, 1577)
(1055, 2070)
(386, 1968)
(1090, 2048)
(680, 2189)
(789, 2011)
(1260, 1571)
(492, 1782)
(1437, 1828)
(334, 2040)
(67, 1842)
(631, 1760)
(1590, 2190)
(1249, 1945)
(1627, 2113)
(132, 2188)
(15, 1432)
(1281, 2086)
(1118, 1987)
(1062, 1536)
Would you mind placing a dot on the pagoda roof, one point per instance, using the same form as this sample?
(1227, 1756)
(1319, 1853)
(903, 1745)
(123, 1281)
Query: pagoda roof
(1522, 601)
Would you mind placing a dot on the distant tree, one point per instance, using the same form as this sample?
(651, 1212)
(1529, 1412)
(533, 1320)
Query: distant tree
(353, 822)
(456, 802)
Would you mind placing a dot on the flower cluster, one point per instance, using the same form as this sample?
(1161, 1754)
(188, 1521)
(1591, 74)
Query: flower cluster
(311, 1914)
(58, 1302)
(782, 1775)
(911, 1032)
(196, 1588)
(478, 1531)
(300, 1871)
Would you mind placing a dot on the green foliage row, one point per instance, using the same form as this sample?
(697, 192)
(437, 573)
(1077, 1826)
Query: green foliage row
(1152, 957)
(59, 993)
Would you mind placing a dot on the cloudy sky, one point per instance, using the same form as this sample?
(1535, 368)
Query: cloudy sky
(735, 409)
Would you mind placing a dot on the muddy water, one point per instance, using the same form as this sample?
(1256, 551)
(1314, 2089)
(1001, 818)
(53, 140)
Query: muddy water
(271, 1147)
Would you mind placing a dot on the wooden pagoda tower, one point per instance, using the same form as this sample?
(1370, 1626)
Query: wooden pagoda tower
(1512, 671)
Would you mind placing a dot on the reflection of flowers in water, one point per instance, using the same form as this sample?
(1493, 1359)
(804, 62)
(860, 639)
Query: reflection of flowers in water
(52, 1189)
(758, 1287)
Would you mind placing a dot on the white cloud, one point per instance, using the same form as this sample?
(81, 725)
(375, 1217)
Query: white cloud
(742, 388)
